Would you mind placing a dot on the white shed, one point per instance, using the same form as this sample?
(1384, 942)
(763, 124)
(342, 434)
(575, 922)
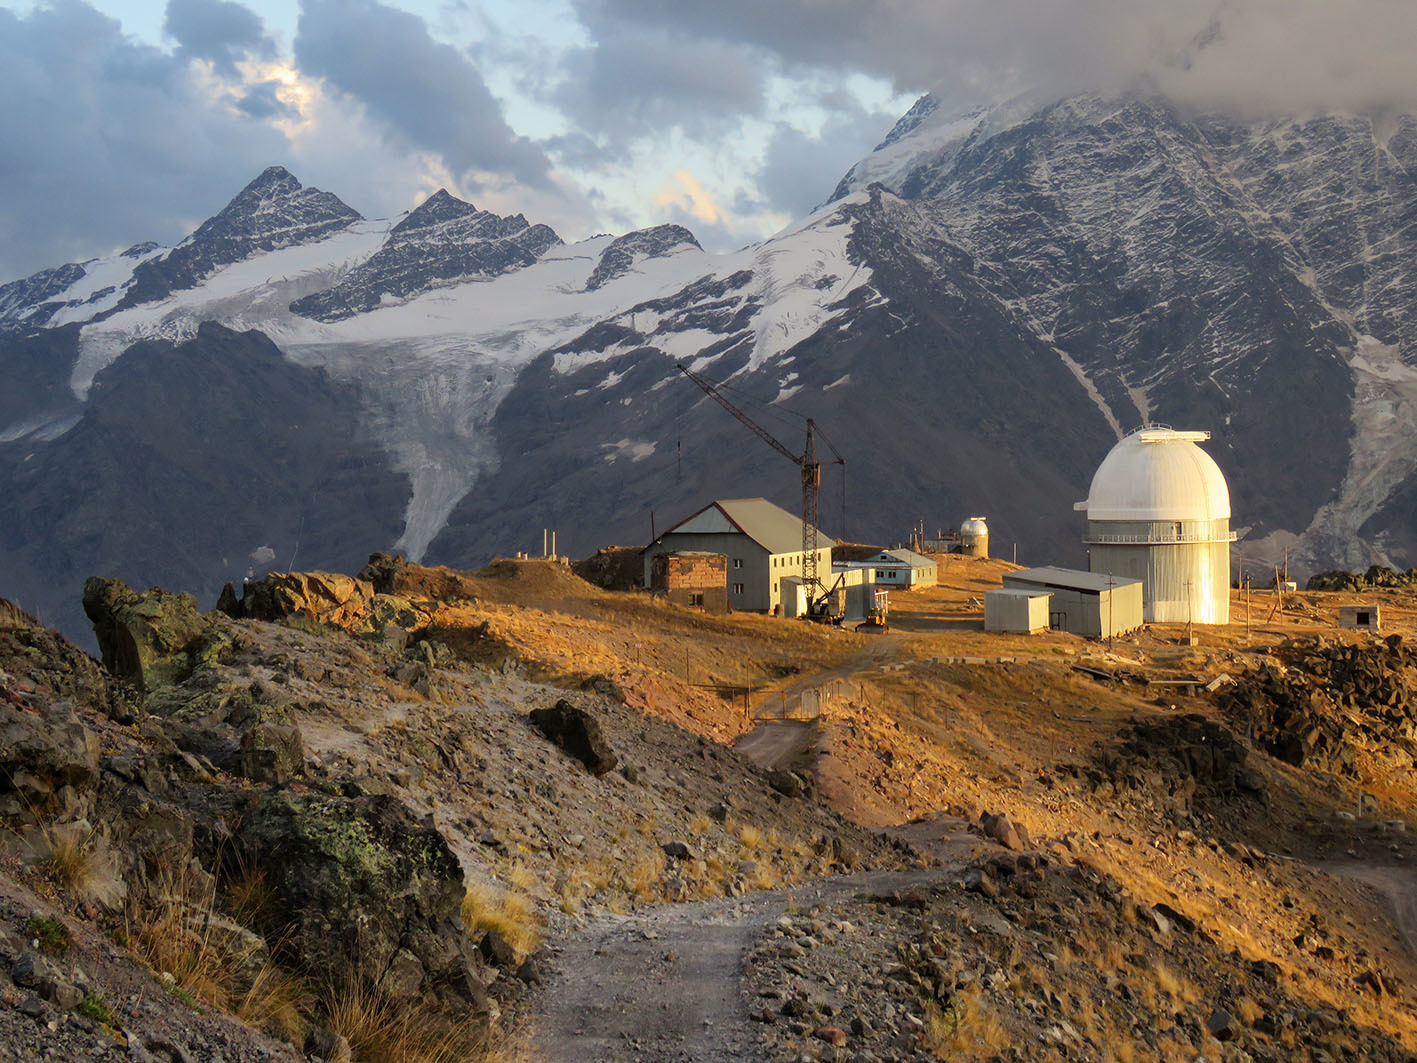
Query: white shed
(1016, 610)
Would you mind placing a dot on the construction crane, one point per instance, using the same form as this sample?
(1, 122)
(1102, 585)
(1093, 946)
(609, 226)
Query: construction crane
(818, 594)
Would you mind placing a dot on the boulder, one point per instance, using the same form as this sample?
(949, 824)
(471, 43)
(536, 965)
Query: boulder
(150, 639)
(272, 754)
(577, 733)
(325, 597)
(345, 602)
(364, 888)
(42, 754)
(787, 783)
(1003, 830)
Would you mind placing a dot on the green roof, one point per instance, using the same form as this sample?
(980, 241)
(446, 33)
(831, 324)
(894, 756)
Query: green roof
(770, 526)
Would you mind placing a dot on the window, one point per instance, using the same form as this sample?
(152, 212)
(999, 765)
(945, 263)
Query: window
(1178, 529)
(738, 588)
(737, 562)
(696, 598)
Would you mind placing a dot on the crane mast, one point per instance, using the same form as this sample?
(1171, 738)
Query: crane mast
(811, 469)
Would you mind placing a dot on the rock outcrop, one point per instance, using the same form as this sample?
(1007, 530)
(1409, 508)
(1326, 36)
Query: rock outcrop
(368, 895)
(577, 733)
(149, 639)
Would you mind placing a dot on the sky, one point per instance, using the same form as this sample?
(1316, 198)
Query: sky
(127, 121)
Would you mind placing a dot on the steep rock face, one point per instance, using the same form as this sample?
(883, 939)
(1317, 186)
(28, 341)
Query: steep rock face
(35, 400)
(930, 386)
(626, 251)
(30, 301)
(194, 464)
(1242, 276)
(271, 212)
(441, 242)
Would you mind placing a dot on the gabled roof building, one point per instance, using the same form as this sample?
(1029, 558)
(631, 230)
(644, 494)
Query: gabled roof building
(762, 542)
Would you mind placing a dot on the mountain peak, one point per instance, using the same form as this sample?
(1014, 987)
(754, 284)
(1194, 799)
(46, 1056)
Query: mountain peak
(441, 206)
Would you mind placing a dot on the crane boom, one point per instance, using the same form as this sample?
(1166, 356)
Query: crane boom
(811, 468)
(762, 433)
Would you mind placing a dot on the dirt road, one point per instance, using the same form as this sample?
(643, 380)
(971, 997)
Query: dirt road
(664, 984)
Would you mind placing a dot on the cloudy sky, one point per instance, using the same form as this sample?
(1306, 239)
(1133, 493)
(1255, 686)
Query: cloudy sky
(127, 120)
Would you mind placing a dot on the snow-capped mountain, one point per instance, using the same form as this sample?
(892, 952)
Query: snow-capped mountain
(984, 304)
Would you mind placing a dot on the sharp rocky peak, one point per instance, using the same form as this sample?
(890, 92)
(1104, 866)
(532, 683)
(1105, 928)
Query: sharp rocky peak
(442, 242)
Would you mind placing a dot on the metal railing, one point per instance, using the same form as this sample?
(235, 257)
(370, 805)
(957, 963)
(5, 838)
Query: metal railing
(1160, 539)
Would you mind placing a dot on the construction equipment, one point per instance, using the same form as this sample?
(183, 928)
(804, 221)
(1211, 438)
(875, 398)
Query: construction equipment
(818, 594)
(876, 613)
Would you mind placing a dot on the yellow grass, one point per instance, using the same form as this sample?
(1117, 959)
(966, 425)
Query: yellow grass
(511, 915)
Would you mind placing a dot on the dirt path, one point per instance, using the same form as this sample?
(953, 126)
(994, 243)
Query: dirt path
(664, 984)
(783, 743)
(1397, 886)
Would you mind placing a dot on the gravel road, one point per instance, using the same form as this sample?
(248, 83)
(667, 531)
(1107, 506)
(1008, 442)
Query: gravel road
(664, 984)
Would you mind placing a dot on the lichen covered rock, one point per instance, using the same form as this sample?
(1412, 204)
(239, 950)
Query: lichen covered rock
(149, 639)
(367, 894)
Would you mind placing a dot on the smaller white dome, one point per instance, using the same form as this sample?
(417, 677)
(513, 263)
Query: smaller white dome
(1158, 474)
(974, 526)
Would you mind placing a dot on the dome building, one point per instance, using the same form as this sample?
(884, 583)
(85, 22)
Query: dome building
(974, 537)
(1159, 511)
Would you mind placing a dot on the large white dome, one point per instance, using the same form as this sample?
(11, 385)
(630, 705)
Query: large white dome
(1158, 474)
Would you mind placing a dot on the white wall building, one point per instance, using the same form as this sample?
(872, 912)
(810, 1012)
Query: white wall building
(1159, 511)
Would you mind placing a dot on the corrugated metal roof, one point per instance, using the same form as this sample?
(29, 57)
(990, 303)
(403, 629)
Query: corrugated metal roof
(1019, 592)
(1070, 578)
(907, 557)
(770, 526)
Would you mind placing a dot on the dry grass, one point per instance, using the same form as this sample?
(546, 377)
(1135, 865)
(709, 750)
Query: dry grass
(273, 1003)
(700, 824)
(183, 938)
(969, 1026)
(642, 879)
(751, 838)
(509, 913)
(248, 896)
(73, 858)
(379, 1031)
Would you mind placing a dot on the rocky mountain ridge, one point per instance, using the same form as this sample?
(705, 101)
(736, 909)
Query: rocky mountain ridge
(988, 300)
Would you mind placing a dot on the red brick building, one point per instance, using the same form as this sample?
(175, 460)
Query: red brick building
(692, 577)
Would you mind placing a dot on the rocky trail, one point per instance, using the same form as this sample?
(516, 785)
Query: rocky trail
(665, 983)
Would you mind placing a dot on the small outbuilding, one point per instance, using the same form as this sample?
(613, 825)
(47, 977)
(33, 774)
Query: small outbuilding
(1361, 617)
(902, 569)
(1092, 604)
(1017, 610)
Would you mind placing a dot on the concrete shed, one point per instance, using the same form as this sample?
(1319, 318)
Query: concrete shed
(1092, 604)
(1017, 610)
(1366, 617)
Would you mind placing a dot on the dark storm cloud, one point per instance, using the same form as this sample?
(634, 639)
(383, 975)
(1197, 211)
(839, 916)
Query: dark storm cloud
(261, 101)
(1286, 54)
(426, 94)
(217, 30)
(107, 142)
(640, 79)
(800, 170)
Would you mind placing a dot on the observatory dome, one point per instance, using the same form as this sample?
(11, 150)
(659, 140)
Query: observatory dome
(1158, 474)
(974, 526)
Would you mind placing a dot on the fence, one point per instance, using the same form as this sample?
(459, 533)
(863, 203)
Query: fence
(806, 704)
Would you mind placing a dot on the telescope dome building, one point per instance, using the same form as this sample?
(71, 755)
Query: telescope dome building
(1159, 511)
